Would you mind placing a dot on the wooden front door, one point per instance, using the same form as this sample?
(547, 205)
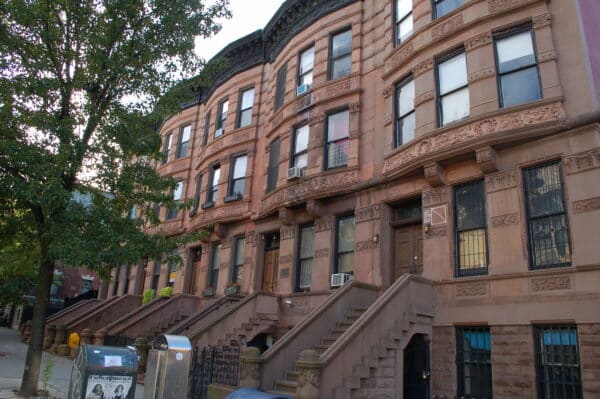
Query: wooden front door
(270, 271)
(408, 249)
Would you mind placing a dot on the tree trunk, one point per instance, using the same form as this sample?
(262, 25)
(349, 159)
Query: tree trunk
(33, 361)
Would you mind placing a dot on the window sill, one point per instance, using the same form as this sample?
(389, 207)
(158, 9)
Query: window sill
(480, 271)
(233, 198)
(207, 205)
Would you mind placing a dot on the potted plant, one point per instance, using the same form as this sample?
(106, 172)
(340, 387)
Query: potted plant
(209, 291)
(166, 292)
(232, 288)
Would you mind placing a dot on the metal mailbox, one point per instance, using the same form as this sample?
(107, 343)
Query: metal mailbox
(101, 372)
(168, 368)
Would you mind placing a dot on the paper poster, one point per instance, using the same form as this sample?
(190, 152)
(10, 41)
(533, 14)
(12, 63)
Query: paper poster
(108, 387)
(112, 361)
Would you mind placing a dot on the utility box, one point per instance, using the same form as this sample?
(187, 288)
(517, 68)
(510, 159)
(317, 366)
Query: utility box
(101, 372)
(168, 368)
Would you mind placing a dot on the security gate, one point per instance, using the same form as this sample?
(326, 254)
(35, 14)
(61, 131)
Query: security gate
(213, 364)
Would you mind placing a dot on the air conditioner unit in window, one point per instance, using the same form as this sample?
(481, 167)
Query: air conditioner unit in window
(219, 132)
(339, 279)
(295, 173)
(302, 89)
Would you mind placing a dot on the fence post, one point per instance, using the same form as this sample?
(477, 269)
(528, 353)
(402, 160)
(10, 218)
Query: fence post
(250, 368)
(141, 346)
(309, 378)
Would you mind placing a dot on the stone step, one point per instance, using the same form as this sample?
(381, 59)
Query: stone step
(283, 394)
(329, 340)
(320, 349)
(286, 386)
(292, 376)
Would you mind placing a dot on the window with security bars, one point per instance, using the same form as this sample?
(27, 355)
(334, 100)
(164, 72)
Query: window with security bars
(213, 272)
(547, 226)
(405, 112)
(473, 362)
(338, 143)
(239, 249)
(305, 258)
(340, 54)
(404, 20)
(280, 86)
(557, 362)
(273, 168)
(344, 261)
(471, 229)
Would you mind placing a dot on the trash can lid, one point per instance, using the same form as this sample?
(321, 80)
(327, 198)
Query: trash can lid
(251, 393)
(172, 342)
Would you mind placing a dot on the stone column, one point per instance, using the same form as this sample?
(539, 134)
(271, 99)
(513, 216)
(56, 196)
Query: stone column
(59, 338)
(309, 377)
(49, 336)
(141, 346)
(250, 363)
(99, 336)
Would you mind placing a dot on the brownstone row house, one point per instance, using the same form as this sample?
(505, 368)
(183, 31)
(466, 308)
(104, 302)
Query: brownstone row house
(411, 187)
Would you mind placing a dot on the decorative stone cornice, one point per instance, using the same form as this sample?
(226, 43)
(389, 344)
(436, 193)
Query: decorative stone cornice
(447, 27)
(582, 162)
(478, 40)
(486, 159)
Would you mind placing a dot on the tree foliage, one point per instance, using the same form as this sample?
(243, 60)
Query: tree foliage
(80, 83)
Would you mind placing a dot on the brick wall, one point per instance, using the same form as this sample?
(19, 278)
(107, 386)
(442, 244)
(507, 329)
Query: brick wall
(589, 352)
(443, 362)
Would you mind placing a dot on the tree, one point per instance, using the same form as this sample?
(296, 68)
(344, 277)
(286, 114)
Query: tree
(80, 83)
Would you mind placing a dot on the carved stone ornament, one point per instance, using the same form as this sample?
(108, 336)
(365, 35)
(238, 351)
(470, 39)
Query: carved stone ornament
(388, 91)
(423, 67)
(436, 232)
(221, 213)
(486, 159)
(322, 253)
(482, 74)
(387, 120)
(400, 57)
(435, 174)
(367, 213)
(501, 181)
(581, 162)
(466, 133)
(366, 245)
(542, 20)
(285, 259)
(314, 208)
(505, 220)
(478, 40)
(340, 87)
(469, 290)
(551, 283)
(447, 27)
(436, 196)
(502, 5)
(251, 238)
(590, 204)
(287, 232)
(547, 55)
(323, 224)
(286, 216)
(354, 108)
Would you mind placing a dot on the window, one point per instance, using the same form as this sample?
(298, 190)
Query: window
(453, 89)
(473, 362)
(245, 108)
(237, 178)
(177, 194)
(338, 126)
(86, 285)
(206, 128)
(273, 169)
(184, 141)
(471, 229)
(518, 79)
(557, 362)
(132, 212)
(172, 270)
(212, 192)
(546, 216)
(300, 147)
(221, 118)
(167, 141)
(443, 7)
(213, 273)
(305, 258)
(239, 249)
(404, 20)
(197, 192)
(156, 209)
(340, 54)
(405, 112)
(305, 68)
(344, 262)
(280, 86)
(155, 274)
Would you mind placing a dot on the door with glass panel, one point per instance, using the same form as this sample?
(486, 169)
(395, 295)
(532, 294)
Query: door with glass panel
(305, 258)
(408, 239)
(271, 262)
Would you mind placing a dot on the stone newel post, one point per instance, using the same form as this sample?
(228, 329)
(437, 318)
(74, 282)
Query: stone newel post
(309, 378)
(99, 336)
(141, 347)
(49, 336)
(250, 368)
(59, 337)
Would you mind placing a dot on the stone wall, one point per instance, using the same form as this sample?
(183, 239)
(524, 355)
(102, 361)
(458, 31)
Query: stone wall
(443, 362)
(589, 353)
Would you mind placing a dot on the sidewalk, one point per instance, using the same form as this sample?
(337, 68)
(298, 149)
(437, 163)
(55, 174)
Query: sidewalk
(12, 363)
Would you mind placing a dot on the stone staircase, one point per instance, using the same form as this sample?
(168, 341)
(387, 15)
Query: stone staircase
(248, 330)
(289, 385)
(164, 326)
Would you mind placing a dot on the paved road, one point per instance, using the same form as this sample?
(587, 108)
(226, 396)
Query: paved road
(12, 363)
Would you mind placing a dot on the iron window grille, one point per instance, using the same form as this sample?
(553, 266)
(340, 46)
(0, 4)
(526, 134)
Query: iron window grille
(338, 143)
(213, 272)
(453, 88)
(305, 258)
(167, 141)
(299, 156)
(340, 54)
(405, 112)
(237, 178)
(273, 168)
(443, 7)
(517, 67)
(184, 141)
(305, 67)
(404, 20)
(244, 117)
(212, 191)
(473, 363)
(206, 128)
(177, 194)
(471, 229)
(344, 245)
(547, 225)
(557, 362)
(221, 118)
(280, 86)
(239, 249)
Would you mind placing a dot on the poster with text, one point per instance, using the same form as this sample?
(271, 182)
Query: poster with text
(108, 386)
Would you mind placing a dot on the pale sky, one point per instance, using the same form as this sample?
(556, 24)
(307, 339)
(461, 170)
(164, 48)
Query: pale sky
(248, 16)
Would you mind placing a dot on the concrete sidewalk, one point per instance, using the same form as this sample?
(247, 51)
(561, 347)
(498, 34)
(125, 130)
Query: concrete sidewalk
(12, 363)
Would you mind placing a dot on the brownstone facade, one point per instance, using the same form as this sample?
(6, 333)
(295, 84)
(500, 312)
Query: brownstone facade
(401, 189)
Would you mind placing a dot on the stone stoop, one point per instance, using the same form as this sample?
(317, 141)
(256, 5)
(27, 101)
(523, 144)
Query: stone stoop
(164, 326)
(248, 330)
(289, 385)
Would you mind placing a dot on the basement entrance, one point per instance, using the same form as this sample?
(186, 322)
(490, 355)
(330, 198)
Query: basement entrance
(416, 368)
(271, 262)
(408, 238)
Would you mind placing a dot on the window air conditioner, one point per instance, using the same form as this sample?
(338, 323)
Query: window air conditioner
(295, 173)
(219, 132)
(302, 89)
(339, 279)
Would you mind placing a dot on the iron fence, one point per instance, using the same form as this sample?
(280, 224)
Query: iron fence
(213, 364)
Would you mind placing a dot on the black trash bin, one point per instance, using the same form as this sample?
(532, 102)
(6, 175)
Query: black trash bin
(101, 372)
(251, 393)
